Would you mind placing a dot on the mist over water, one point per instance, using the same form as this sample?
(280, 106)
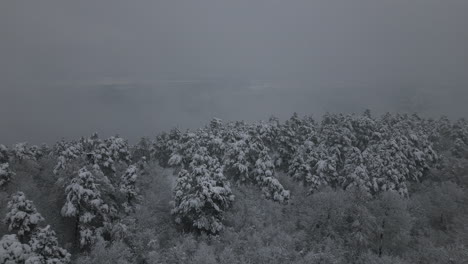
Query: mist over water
(46, 113)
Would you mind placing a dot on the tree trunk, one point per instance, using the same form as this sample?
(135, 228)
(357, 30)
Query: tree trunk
(77, 230)
(381, 239)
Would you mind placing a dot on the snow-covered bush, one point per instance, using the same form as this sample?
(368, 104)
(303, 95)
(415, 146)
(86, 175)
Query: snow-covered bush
(22, 217)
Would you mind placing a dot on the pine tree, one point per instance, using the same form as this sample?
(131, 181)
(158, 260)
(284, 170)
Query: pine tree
(322, 167)
(202, 194)
(237, 165)
(355, 173)
(142, 149)
(21, 151)
(4, 154)
(12, 251)
(128, 187)
(263, 174)
(36, 152)
(22, 216)
(66, 152)
(45, 246)
(84, 203)
(165, 145)
(5, 174)
(300, 168)
(387, 166)
(118, 149)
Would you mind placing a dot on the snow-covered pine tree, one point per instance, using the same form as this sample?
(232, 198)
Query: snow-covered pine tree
(45, 149)
(460, 130)
(216, 123)
(36, 152)
(268, 132)
(5, 173)
(142, 149)
(202, 195)
(325, 167)
(237, 165)
(263, 174)
(21, 151)
(165, 145)
(12, 251)
(292, 134)
(45, 247)
(458, 149)
(387, 167)
(300, 168)
(66, 152)
(363, 128)
(99, 157)
(84, 203)
(118, 149)
(186, 148)
(4, 154)
(22, 217)
(128, 187)
(354, 173)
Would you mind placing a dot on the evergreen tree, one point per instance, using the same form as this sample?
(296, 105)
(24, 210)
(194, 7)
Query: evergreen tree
(4, 154)
(236, 161)
(45, 246)
(84, 203)
(202, 195)
(21, 151)
(128, 187)
(66, 152)
(263, 174)
(22, 216)
(12, 251)
(5, 174)
(165, 145)
(142, 149)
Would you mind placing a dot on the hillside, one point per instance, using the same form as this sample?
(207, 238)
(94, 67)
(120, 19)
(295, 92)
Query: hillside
(343, 189)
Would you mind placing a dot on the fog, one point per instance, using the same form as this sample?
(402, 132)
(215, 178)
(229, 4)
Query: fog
(134, 68)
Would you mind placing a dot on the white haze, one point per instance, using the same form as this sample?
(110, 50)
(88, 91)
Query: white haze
(134, 68)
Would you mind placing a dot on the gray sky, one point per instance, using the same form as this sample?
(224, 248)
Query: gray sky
(324, 44)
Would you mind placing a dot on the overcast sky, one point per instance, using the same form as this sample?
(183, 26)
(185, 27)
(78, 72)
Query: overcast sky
(386, 44)
(357, 41)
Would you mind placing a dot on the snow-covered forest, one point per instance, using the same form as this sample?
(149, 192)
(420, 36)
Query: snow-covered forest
(343, 188)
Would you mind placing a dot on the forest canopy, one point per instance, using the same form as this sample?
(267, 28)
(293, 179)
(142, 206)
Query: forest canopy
(346, 188)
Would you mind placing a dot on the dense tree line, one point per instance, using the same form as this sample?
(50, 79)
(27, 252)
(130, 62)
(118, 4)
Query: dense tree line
(342, 189)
